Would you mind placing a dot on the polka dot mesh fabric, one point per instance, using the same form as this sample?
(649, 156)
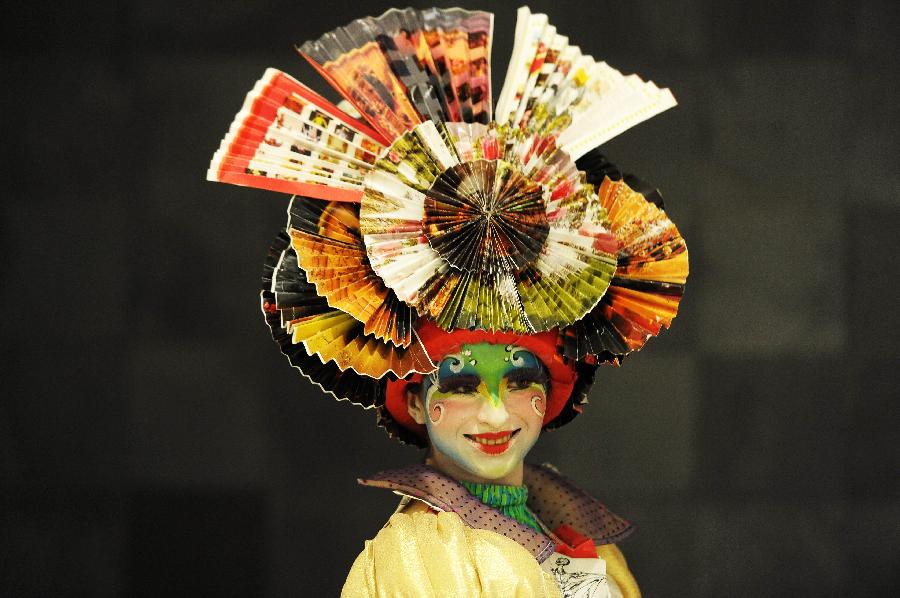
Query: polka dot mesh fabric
(556, 501)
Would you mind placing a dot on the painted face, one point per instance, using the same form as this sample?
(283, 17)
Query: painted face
(485, 407)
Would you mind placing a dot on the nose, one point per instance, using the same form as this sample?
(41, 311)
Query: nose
(493, 413)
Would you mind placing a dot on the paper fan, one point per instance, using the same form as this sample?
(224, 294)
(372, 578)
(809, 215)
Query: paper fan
(507, 240)
(407, 66)
(343, 384)
(421, 206)
(330, 334)
(288, 138)
(329, 248)
(551, 87)
(644, 295)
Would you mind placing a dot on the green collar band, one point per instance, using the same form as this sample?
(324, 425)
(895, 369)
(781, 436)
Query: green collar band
(509, 500)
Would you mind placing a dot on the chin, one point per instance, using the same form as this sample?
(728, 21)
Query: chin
(492, 471)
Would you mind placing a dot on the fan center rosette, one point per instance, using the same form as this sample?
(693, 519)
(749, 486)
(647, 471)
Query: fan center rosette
(486, 226)
(484, 215)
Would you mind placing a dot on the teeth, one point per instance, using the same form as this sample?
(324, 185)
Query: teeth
(501, 440)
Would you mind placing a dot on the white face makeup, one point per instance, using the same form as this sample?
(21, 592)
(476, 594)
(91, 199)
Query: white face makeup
(484, 408)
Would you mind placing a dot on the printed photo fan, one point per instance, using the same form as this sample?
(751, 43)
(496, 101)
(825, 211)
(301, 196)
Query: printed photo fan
(422, 202)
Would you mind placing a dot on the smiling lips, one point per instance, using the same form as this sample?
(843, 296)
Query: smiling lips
(493, 443)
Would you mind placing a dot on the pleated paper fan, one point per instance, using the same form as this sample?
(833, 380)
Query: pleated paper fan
(326, 239)
(551, 87)
(508, 240)
(407, 65)
(644, 295)
(343, 385)
(332, 334)
(431, 209)
(288, 138)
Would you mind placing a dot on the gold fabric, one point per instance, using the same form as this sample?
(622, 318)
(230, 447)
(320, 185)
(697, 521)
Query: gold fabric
(432, 556)
(617, 570)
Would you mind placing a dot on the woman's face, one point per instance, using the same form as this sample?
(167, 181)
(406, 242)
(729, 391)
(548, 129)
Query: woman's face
(484, 407)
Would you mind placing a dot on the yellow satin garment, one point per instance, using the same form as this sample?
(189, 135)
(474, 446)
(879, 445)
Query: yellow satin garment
(432, 556)
(617, 570)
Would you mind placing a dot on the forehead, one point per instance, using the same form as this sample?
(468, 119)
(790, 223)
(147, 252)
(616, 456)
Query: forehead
(487, 360)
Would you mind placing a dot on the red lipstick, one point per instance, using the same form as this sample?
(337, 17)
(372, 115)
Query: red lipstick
(493, 443)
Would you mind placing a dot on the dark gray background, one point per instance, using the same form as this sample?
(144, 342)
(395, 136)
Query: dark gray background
(154, 443)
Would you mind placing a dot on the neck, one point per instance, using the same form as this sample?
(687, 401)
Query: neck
(450, 468)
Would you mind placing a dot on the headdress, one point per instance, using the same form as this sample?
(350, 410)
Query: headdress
(424, 217)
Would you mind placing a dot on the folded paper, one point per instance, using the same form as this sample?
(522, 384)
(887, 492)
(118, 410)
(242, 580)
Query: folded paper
(422, 204)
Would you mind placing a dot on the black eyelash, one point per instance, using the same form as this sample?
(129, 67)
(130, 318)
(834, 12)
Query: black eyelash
(528, 375)
(451, 384)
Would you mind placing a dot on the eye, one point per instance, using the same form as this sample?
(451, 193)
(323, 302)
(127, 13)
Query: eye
(524, 378)
(461, 389)
(522, 383)
(460, 385)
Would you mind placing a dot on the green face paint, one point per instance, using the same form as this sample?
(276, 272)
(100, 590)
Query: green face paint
(488, 370)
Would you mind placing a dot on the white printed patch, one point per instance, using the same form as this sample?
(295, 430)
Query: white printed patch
(577, 577)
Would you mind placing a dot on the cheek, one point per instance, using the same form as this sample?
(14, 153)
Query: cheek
(529, 405)
(448, 414)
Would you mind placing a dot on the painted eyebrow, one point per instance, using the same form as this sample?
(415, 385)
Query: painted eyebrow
(528, 374)
(457, 380)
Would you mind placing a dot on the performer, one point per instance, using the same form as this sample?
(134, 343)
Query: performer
(475, 518)
(463, 269)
